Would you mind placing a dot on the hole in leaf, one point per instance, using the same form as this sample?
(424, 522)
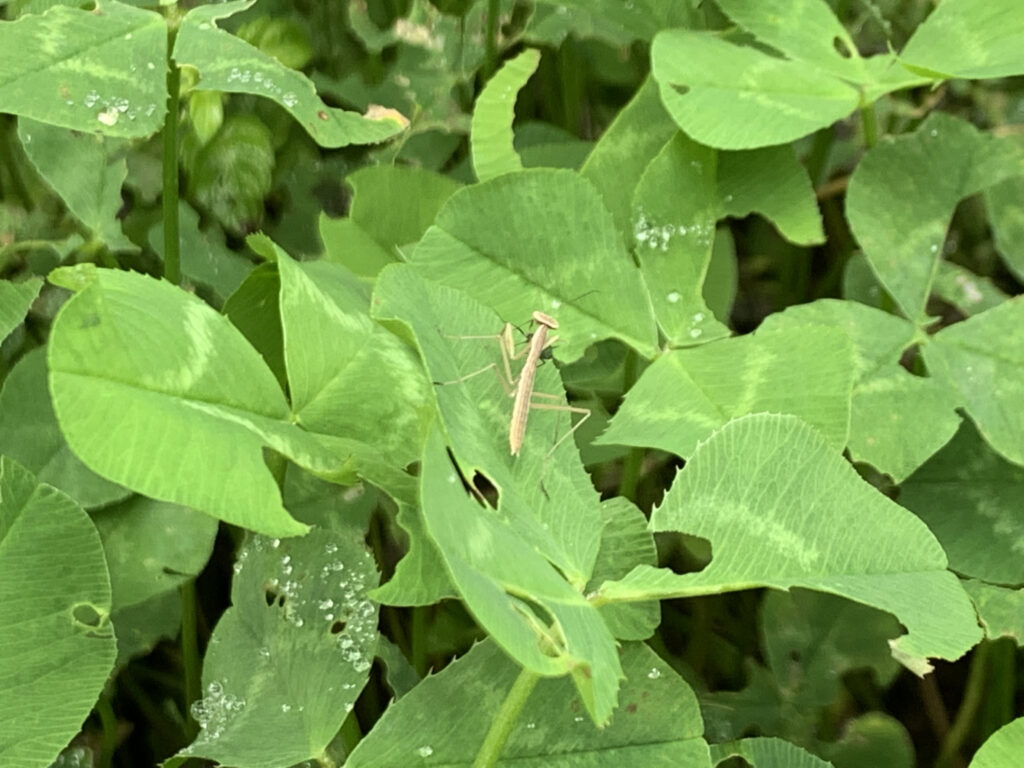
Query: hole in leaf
(87, 614)
(842, 48)
(795, 656)
(681, 89)
(484, 490)
(272, 596)
(337, 627)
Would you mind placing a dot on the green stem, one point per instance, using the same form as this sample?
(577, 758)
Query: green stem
(491, 39)
(190, 653)
(974, 692)
(172, 257)
(870, 124)
(7, 160)
(109, 722)
(633, 463)
(418, 640)
(351, 733)
(817, 158)
(505, 720)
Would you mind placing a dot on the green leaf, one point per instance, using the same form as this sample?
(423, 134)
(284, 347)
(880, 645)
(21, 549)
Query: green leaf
(781, 509)
(392, 206)
(15, 301)
(255, 309)
(29, 433)
(182, 396)
(765, 752)
(973, 501)
(229, 64)
(625, 542)
(290, 656)
(491, 132)
(1000, 610)
(205, 259)
(806, 30)
(903, 193)
(420, 577)
(969, 39)
(616, 22)
(1007, 218)
(90, 185)
(347, 376)
(733, 97)
(686, 394)
(232, 174)
(397, 204)
(897, 420)
(810, 640)
(545, 494)
(500, 576)
(620, 157)
(152, 547)
(95, 71)
(56, 643)
(282, 37)
(872, 740)
(982, 360)
(507, 244)
(676, 206)
(968, 292)
(658, 724)
(772, 182)
(1003, 748)
(142, 625)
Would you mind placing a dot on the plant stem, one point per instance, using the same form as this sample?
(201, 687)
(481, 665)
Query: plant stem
(870, 124)
(501, 728)
(632, 464)
(109, 722)
(190, 652)
(351, 733)
(172, 257)
(491, 39)
(974, 692)
(8, 161)
(418, 640)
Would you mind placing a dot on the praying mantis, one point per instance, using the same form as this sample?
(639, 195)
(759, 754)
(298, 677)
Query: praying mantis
(521, 387)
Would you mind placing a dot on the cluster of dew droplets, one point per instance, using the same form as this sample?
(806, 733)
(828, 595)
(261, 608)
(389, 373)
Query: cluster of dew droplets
(332, 600)
(657, 237)
(215, 710)
(358, 613)
(262, 82)
(111, 108)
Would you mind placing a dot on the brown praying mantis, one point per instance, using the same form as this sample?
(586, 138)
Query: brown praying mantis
(521, 387)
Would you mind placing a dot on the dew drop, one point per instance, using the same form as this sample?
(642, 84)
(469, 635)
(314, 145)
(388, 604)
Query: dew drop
(555, 303)
(91, 98)
(150, 65)
(286, 707)
(695, 333)
(578, 719)
(654, 674)
(673, 297)
(290, 99)
(425, 751)
(109, 116)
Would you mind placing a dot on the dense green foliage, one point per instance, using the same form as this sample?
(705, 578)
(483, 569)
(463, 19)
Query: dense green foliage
(257, 501)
